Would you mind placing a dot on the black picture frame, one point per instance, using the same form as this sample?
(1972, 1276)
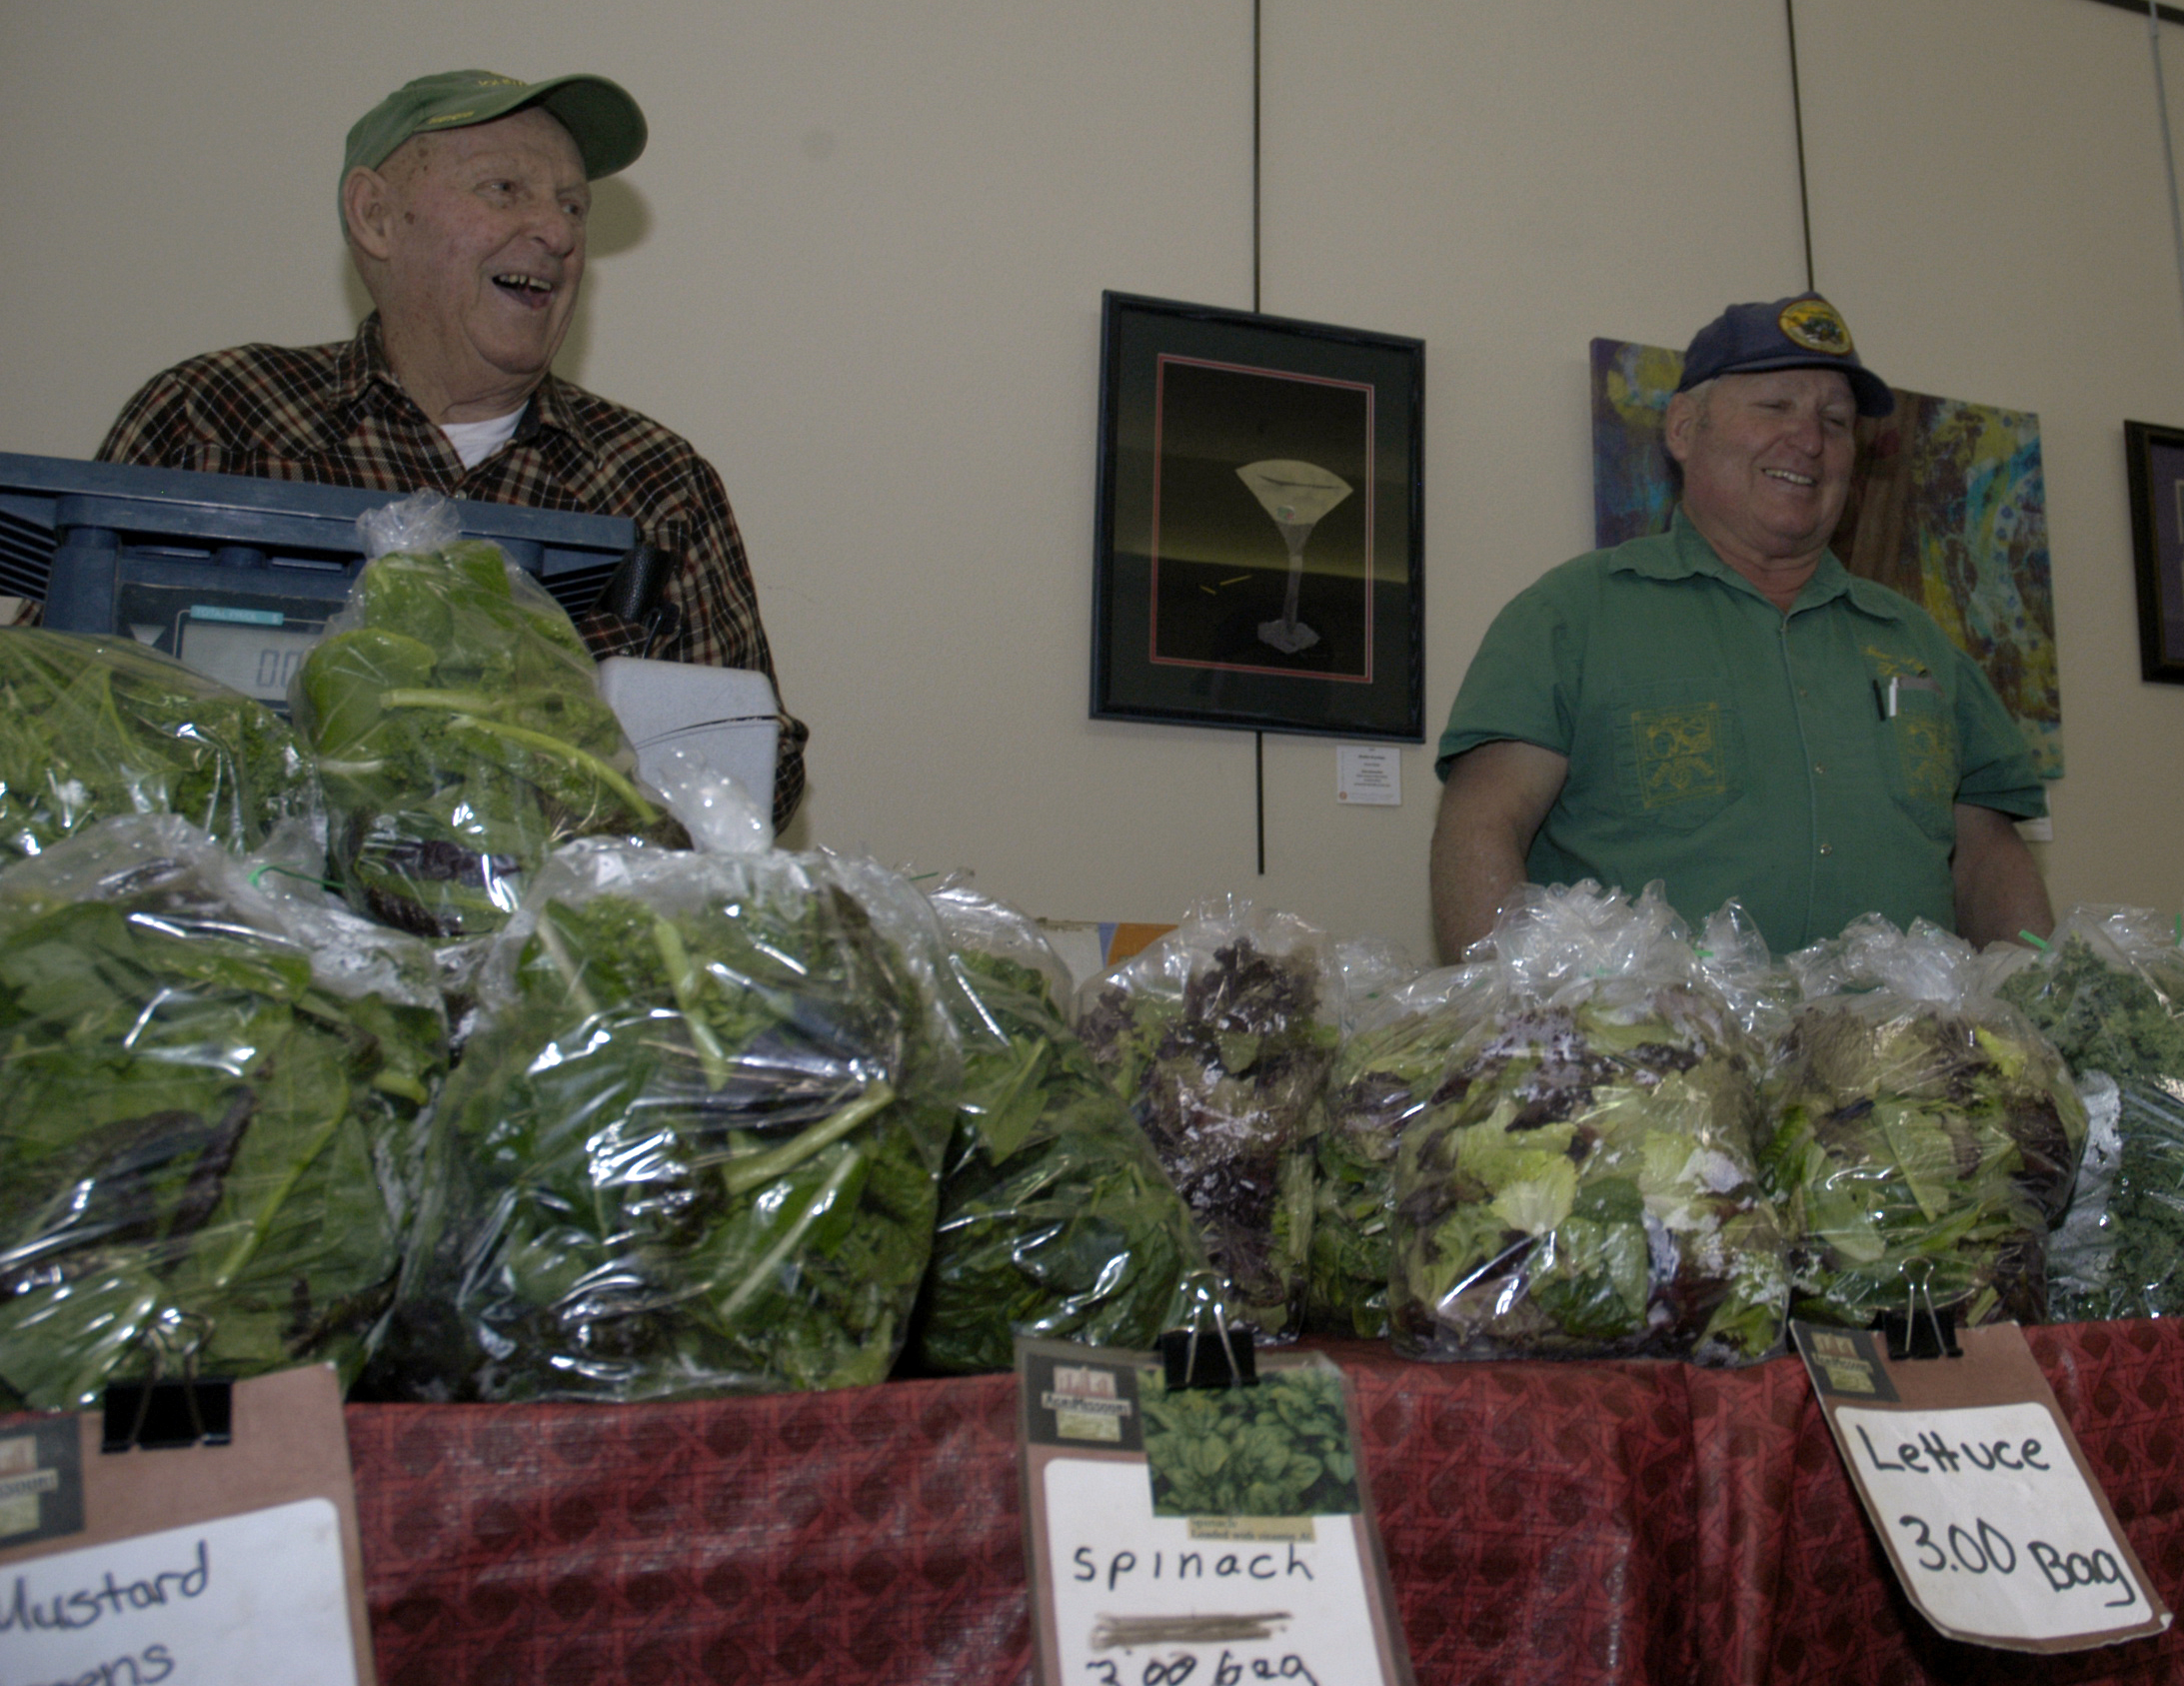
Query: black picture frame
(2154, 460)
(1205, 611)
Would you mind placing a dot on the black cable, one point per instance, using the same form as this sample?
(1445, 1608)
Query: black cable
(1797, 108)
(1258, 738)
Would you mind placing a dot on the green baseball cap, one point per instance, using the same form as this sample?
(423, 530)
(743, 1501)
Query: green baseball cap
(601, 117)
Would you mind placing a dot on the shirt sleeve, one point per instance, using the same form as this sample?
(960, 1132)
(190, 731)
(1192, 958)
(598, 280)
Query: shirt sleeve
(1514, 687)
(1995, 767)
(157, 427)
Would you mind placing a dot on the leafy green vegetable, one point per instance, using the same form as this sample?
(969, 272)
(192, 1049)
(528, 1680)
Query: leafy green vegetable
(207, 1111)
(1582, 1186)
(458, 726)
(1222, 1066)
(2111, 1015)
(1918, 1140)
(92, 728)
(693, 1147)
(1056, 1216)
(1280, 1447)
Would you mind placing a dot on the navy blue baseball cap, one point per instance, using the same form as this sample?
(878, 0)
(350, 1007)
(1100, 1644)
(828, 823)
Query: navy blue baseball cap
(1800, 332)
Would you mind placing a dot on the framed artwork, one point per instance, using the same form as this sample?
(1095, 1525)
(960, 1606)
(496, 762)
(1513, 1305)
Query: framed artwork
(1261, 550)
(2154, 457)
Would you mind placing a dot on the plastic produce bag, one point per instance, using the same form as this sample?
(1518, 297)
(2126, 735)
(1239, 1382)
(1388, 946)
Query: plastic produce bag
(694, 1143)
(2108, 991)
(1925, 1136)
(209, 1096)
(1219, 1036)
(92, 728)
(1582, 1185)
(1055, 1217)
(458, 729)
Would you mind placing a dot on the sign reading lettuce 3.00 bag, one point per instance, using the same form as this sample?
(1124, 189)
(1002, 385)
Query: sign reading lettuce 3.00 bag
(1216, 1535)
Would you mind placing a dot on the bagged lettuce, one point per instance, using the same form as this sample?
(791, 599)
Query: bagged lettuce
(458, 727)
(1580, 1182)
(209, 1103)
(1219, 1036)
(1925, 1134)
(692, 1145)
(1055, 1218)
(94, 728)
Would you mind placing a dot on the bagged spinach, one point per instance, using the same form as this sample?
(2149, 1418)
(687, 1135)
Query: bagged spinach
(1219, 1036)
(1924, 1132)
(458, 727)
(1580, 1181)
(2108, 991)
(92, 728)
(1055, 1217)
(692, 1145)
(209, 1096)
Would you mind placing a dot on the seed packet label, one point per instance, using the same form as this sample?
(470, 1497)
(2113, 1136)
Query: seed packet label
(1980, 1493)
(1129, 1591)
(252, 1597)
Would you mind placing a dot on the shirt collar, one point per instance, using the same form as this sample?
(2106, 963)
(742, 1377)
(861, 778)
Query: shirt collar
(362, 371)
(1687, 553)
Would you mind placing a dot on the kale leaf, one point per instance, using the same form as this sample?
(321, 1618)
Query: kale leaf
(206, 1117)
(458, 727)
(94, 727)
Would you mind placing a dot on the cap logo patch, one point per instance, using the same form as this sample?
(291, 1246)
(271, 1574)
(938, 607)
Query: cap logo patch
(1814, 325)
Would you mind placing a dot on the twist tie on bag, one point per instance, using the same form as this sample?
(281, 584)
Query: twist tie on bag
(259, 871)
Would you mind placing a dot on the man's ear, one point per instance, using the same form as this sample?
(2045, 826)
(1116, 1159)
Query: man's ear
(1683, 420)
(368, 208)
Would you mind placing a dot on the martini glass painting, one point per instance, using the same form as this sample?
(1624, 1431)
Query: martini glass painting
(1296, 495)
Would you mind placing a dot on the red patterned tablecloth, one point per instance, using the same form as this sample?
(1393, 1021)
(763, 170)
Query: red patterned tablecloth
(1545, 1523)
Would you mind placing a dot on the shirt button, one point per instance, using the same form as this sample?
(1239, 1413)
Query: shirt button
(1827, 849)
(1819, 767)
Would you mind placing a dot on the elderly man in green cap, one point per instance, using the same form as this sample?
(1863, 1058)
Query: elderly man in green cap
(1726, 708)
(464, 198)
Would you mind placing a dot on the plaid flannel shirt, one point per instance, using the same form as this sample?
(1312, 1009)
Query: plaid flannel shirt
(336, 416)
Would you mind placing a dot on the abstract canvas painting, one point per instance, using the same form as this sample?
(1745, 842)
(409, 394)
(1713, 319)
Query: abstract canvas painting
(1947, 505)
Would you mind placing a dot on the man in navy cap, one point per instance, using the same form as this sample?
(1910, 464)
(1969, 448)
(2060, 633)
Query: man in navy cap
(1726, 708)
(464, 198)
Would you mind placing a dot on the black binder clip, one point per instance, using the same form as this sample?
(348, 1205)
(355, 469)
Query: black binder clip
(1913, 1333)
(1226, 1358)
(160, 1414)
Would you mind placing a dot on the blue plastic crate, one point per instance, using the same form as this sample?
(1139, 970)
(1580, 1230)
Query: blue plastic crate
(236, 577)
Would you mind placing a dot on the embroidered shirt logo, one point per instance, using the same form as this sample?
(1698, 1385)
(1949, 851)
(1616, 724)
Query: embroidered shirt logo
(1682, 753)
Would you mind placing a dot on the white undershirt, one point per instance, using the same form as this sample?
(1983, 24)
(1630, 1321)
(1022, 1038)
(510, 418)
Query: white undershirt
(474, 442)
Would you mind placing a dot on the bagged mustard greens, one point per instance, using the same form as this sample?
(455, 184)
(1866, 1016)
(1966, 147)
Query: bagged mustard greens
(208, 1115)
(92, 728)
(1056, 1216)
(1219, 1036)
(456, 718)
(1580, 1183)
(1924, 1132)
(2108, 991)
(694, 1143)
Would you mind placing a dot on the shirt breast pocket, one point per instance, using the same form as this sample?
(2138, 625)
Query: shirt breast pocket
(1920, 758)
(1679, 753)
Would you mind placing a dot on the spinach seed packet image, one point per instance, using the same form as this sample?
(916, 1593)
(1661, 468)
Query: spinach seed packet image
(1279, 1449)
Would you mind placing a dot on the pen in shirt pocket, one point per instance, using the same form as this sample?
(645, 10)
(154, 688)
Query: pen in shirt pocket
(1886, 691)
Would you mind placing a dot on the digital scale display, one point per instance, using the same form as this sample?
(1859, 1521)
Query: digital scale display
(253, 646)
(257, 661)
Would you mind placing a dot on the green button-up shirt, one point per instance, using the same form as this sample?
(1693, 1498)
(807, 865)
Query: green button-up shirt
(1729, 750)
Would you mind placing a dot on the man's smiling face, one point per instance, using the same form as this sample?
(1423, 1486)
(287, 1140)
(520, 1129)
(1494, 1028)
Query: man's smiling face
(483, 239)
(1767, 458)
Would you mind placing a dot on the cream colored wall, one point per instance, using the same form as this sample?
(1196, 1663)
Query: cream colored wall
(861, 267)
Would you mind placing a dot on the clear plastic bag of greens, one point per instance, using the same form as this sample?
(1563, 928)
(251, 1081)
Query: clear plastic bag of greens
(1921, 1131)
(209, 1111)
(1582, 1184)
(694, 1143)
(455, 719)
(2108, 991)
(1219, 1036)
(1394, 1057)
(92, 728)
(1055, 1217)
